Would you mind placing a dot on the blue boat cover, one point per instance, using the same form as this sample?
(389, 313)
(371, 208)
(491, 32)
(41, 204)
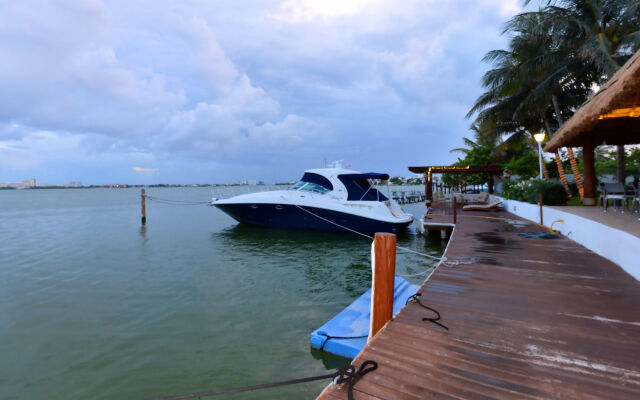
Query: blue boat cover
(353, 322)
(358, 187)
(317, 179)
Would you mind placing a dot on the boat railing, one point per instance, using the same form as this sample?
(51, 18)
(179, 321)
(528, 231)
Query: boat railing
(404, 194)
(227, 191)
(401, 193)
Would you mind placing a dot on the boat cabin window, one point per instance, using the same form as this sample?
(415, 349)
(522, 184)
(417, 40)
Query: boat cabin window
(313, 183)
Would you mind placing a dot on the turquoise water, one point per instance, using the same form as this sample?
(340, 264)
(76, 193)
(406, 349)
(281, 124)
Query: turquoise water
(94, 306)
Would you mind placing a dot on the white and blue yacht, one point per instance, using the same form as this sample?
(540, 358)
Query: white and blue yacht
(328, 199)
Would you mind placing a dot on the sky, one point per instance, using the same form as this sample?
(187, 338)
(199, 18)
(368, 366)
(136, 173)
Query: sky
(214, 91)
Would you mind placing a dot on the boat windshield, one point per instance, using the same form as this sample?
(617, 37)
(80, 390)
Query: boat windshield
(310, 187)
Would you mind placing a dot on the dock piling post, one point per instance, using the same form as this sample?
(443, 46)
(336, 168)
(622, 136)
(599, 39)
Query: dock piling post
(144, 207)
(541, 204)
(383, 265)
(455, 206)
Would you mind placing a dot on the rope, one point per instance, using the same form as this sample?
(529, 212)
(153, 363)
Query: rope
(344, 375)
(353, 376)
(442, 259)
(416, 298)
(176, 202)
(339, 337)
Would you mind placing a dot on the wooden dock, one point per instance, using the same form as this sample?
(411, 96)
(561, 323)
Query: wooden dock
(527, 319)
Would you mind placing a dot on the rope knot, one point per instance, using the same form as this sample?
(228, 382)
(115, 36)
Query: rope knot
(350, 376)
(415, 298)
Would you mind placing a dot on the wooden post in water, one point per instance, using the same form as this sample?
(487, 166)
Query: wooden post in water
(428, 194)
(383, 265)
(541, 204)
(455, 207)
(144, 207)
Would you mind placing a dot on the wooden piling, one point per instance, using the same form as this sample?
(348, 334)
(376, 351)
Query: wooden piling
(541, 204)
(383, 265)
(144, 207)
(455, 207)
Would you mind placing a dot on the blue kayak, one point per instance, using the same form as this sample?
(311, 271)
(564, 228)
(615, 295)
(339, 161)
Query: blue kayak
(346, 334)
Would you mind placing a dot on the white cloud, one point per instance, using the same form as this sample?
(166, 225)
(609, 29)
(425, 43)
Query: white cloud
(145, 171)
(308, 10)
(506, 8)
(233, 81)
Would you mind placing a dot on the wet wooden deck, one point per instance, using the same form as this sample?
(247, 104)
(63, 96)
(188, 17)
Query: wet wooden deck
(527, 318)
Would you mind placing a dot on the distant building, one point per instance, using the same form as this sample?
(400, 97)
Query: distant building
(29, 183)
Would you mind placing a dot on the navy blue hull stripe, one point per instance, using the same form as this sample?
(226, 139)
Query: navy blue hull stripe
(292, 217)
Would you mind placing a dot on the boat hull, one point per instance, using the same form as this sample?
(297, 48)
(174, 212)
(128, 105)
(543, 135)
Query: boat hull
(308, 218)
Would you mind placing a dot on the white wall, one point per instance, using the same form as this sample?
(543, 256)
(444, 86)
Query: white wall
(620, 247)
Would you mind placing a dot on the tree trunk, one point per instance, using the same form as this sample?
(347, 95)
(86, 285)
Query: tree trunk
(556, 107)
(620, 163)
(572, 158)
(576, 173)
(563, 178)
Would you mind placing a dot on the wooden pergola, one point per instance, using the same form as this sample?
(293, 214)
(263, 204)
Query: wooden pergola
(454, 169)
(610, 117)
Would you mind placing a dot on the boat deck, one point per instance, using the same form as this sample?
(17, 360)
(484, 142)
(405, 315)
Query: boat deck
(527, 318)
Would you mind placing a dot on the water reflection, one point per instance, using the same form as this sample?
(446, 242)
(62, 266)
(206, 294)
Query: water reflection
(330, 361)
(325, 259)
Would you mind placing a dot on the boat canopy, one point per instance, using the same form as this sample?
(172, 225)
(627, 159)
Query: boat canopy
(358, 187)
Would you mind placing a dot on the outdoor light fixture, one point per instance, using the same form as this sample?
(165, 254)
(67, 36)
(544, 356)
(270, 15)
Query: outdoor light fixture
(539, 138)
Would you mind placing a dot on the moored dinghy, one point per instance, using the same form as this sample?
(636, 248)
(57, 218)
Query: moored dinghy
(346, 334)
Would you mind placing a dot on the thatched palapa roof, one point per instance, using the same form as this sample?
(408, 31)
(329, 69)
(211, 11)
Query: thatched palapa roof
(611, 116)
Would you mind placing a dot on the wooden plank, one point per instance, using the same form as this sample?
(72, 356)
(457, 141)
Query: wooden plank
(527, 318)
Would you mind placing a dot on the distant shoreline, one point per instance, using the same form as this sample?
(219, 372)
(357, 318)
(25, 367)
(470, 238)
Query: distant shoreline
(119, 186)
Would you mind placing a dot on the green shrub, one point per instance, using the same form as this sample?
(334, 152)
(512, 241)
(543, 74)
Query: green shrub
(553, 193)
(513, 190)
(526, 166)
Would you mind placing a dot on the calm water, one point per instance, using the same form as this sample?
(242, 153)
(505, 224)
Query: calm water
(92, 306)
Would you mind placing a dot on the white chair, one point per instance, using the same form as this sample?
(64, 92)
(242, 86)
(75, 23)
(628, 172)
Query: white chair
(615, 192)
(439, 197)
(483, 197)
(496, 205)
(635, 200)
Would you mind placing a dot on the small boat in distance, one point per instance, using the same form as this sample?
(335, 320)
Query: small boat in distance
(327, 199)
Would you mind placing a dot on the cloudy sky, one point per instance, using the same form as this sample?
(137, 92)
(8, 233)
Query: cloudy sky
(211, 91)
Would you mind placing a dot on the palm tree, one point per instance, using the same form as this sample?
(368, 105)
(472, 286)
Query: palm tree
(595, 38)
(516, 95)
(555, 56)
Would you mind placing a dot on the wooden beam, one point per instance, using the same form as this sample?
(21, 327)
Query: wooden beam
(454, 169)
(588, 166)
